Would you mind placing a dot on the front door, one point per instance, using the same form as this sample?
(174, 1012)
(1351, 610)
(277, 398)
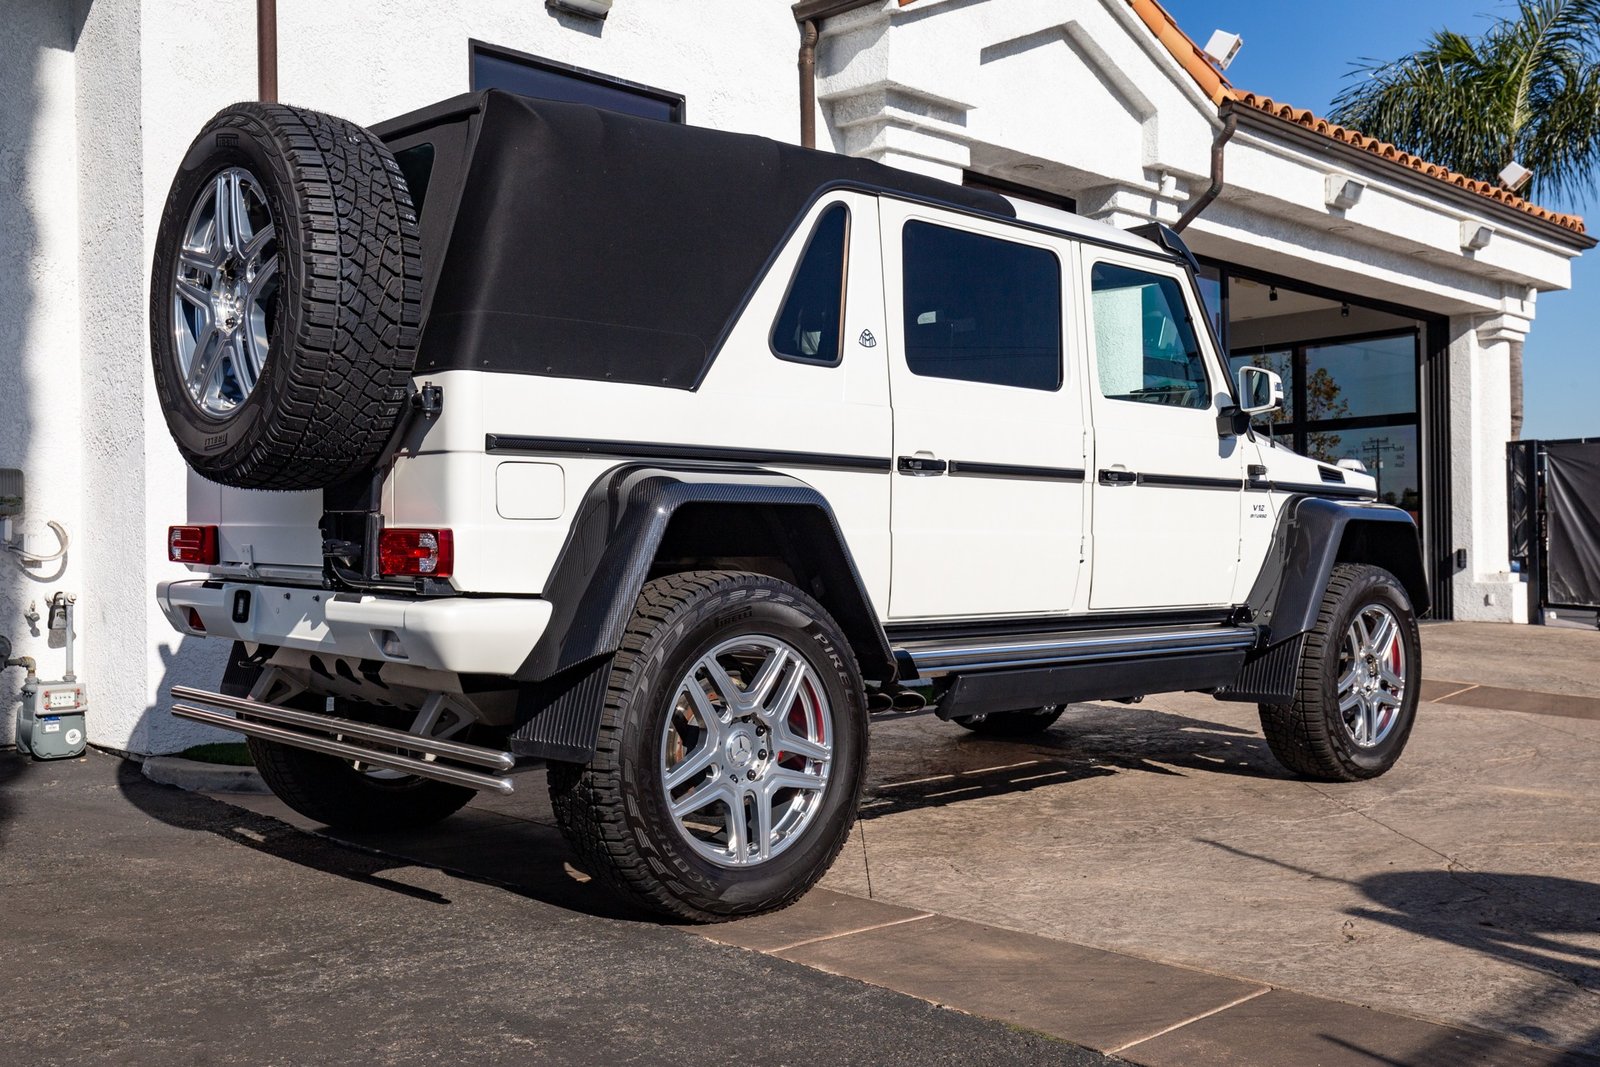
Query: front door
(1168, 489)
(988, 492)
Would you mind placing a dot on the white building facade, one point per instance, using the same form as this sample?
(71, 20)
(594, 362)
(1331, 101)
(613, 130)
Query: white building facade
(1389, 295)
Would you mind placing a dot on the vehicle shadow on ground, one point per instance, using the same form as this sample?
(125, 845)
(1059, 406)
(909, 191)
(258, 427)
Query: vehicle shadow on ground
(1539, 923)
(927, 764)
(529, 860)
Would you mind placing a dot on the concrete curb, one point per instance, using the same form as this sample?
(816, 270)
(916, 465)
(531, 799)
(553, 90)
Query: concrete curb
(203, 777)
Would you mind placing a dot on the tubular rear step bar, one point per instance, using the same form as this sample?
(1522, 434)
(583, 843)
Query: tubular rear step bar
(351, 740)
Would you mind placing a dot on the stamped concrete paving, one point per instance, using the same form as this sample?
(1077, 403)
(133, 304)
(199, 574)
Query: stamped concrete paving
(1463, 887)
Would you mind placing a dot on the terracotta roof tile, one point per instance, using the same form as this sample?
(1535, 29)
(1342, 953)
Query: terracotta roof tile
(1211, 81)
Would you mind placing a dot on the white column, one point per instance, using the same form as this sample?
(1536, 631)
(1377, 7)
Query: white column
(1480, 425)
(881, 104)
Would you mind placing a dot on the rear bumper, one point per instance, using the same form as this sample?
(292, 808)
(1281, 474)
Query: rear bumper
(460, 634)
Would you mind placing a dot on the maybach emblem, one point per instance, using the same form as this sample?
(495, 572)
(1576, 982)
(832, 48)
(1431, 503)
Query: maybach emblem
(867, 340)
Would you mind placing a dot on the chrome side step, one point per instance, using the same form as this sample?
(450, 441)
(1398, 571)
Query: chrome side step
(933, 658)
(351, 740)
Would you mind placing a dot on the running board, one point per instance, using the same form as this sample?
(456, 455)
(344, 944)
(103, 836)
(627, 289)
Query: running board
(348, 739)
(932, 658)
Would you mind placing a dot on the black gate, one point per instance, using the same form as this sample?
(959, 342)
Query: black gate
(1554, 489)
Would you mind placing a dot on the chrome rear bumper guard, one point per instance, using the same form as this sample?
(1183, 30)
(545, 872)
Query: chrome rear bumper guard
(380, 746)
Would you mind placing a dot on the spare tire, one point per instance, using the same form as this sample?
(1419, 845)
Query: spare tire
(285, 299)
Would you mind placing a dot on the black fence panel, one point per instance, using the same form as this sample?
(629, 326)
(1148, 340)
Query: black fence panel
(1572, 517)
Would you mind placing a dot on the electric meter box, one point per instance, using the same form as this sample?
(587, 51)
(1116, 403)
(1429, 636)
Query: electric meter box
(50, 722)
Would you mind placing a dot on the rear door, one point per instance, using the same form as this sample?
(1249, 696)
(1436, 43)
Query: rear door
(988, 494)
(1168, 490)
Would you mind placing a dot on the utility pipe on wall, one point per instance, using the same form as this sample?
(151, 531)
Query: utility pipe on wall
(1230, 123)
(808, 84)
(267, 50)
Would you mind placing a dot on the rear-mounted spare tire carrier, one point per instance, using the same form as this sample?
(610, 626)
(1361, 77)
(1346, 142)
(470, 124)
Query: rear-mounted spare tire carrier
(286, 299)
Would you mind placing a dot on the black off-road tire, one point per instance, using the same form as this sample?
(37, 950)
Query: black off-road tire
(333, 792)
(613, 810)
(1030, 723)
(343, 327)
(1308, 736)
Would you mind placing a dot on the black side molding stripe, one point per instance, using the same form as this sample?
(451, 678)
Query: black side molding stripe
(573, 446)
(964, 468)
(1184, 481)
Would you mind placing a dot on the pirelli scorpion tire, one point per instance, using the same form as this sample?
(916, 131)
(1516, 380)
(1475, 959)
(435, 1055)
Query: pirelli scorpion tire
(731, 751)
(285, 299)
(1356, 695)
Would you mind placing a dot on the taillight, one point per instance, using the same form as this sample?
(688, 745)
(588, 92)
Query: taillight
(192, 544)
(416, 553)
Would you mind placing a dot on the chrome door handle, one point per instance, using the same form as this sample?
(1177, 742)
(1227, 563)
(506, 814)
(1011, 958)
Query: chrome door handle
(921, 465)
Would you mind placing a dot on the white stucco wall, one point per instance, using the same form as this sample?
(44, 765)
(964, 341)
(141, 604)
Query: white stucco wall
(41, 417)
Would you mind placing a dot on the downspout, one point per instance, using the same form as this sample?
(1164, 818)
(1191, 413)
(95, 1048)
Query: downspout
(808, 83)
(1230, 123)
(267, 51)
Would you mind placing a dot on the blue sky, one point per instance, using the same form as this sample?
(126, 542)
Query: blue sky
(1300, 53)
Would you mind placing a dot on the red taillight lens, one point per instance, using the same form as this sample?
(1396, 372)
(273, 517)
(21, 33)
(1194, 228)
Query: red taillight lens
(192, 544)
(416, 553)
(195, 622)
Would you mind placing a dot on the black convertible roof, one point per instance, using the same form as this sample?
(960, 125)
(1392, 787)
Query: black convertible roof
(565, 240)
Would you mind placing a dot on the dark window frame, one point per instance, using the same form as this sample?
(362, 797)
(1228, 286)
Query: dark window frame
(794, 276)
(675, 102)
(1060, 316)
(1210, 390)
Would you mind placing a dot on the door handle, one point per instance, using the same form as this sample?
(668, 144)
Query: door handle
(1118, 476)
(921, 465)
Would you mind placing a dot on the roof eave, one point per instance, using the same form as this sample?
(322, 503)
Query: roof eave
(1466, 199)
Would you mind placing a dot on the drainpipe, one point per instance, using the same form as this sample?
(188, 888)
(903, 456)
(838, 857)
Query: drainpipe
(808, 83)
(267, 50)
(1230, 123)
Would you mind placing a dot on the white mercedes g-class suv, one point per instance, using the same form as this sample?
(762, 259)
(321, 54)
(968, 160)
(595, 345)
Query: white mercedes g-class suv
(667, 455)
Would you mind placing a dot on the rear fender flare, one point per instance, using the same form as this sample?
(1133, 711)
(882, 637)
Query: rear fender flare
(620, 526)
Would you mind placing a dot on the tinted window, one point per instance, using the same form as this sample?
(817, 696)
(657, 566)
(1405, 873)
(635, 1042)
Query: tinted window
(980, 309)
(416, 163)
(813, 311)
(1144, 340)
(501, 68)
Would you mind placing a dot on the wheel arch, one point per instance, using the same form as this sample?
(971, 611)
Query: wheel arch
(1313, 535)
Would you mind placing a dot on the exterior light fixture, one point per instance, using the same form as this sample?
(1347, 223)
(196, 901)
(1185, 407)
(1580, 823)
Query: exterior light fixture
(1342, 191)
(1344, 310)
(1515, 176)
(1222, 47)
(1475, 235)
(1272, 293)
(589, 9)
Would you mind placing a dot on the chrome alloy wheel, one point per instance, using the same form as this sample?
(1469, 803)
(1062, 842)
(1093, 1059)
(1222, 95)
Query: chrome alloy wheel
(224, 292)
(746, 751)
(1372, 675)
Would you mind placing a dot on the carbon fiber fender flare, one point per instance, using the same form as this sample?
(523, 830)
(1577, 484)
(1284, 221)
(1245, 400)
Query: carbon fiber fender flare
(1315, 533)
(621, 524)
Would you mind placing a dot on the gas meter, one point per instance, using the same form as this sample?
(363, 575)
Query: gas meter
(50, 721)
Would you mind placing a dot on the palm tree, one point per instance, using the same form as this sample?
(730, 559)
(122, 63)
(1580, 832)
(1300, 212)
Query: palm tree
(1527, 89)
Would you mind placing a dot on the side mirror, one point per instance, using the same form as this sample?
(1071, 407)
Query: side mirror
(1260, 390)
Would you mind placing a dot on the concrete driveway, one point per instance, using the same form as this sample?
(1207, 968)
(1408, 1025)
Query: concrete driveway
(1144, 880)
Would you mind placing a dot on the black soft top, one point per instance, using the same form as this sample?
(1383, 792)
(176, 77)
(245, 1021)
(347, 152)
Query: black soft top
(565, 240)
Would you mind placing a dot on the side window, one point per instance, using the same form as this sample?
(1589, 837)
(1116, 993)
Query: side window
(812, 316)
(1144, 339)
(980, 309)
